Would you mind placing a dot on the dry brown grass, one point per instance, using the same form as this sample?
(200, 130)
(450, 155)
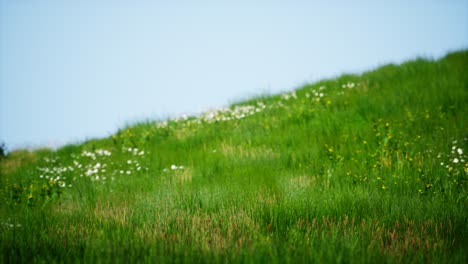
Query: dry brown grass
(397, 239)
(17, 159)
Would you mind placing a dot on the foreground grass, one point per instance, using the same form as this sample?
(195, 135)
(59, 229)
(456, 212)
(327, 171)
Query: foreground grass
(358, 169)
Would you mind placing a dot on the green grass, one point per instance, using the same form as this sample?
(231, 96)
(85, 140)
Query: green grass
(358, 169)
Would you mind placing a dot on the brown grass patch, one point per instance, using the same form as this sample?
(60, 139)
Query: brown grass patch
(398, 239)
(17, 159)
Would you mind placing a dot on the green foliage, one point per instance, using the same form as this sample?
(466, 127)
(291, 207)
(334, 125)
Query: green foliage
(359, 169)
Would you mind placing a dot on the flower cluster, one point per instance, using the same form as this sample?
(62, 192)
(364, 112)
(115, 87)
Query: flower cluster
(55, 174)
(9, 225)
(242, 111)
(178, 174)
(218, 115)
(132, 166)
(174, 167)
(288, 96)
(456, 159)
(348, 85)
(228, 114)
(134, 151)
(316, 94)
(103, 152)
(93, 165)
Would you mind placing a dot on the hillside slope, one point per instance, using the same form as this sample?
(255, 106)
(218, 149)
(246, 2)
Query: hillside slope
(354, 169)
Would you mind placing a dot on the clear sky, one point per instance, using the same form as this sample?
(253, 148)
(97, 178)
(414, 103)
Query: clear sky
(74, 70)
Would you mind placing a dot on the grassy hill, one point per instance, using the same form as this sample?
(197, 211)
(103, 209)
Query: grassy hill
(358, 169)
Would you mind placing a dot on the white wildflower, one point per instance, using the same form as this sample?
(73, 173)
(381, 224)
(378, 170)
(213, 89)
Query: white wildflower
(103, 152)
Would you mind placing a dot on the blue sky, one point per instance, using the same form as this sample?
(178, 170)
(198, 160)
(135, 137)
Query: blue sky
(73, 71)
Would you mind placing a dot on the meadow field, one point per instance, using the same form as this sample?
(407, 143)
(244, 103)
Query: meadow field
(362, 168)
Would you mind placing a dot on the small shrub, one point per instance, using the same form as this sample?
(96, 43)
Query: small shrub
(3, 150)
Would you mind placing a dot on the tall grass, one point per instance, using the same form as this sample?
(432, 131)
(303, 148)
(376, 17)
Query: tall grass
(357, 169)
